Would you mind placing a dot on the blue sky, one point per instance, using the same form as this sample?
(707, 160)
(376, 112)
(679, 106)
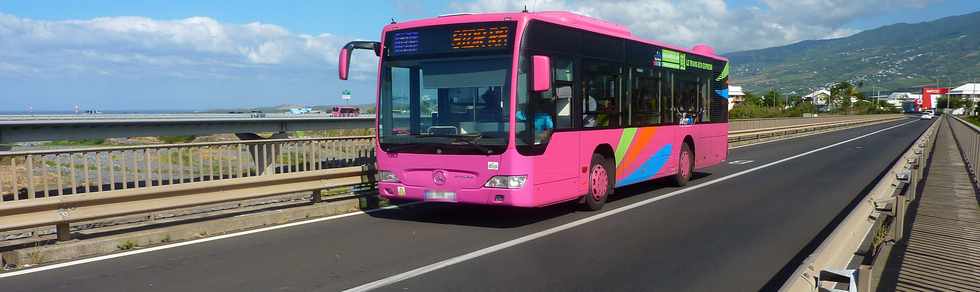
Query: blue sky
(114, 55)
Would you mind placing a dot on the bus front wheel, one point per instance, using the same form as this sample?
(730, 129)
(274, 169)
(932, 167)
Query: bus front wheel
(601, 176)
(685, 166)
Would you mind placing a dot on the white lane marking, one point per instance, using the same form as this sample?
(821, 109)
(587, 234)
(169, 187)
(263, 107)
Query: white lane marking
(190, 242)
(740, 162)
(500, 246)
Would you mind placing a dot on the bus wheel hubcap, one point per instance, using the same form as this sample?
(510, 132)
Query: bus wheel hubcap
(600, 182)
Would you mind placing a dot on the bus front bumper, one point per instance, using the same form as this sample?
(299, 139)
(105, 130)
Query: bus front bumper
(480, 196)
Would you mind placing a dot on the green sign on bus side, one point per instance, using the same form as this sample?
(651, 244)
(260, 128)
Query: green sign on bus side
(678, 60)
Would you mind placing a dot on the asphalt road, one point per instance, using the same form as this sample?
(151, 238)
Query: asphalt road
(735, 232)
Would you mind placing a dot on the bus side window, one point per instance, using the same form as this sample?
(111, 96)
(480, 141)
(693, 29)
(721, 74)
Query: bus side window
(646, 97)
(667, 98)
(564, 75)
(685, 99)
(601, 83)
(549, 110)
(704, 113)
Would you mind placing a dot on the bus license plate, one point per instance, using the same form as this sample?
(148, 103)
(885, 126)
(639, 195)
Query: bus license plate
(440, 196)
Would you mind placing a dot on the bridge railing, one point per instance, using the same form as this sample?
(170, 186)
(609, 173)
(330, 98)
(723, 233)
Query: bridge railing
(28, 175)
(60, 187)
(967, 136)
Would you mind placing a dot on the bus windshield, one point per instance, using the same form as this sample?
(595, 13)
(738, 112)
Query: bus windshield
(445, 105)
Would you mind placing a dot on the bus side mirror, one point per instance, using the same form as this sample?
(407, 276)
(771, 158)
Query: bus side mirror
(344, 63)
(541, 71)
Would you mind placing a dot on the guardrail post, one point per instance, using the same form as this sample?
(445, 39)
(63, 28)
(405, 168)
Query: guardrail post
(64, 231)
(900, 204)
(916, 173)
(864, 278)
(317, 196)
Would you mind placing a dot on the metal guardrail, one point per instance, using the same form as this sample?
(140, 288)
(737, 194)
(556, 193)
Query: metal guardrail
(137, 116)
(29, 175)
(749, 124)
(735, 136)
(27, 128)
(58, 187)
(967, 136)
(869, 230)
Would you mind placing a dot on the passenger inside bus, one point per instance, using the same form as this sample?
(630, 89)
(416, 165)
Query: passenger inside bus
(491, 109)
(544, 123)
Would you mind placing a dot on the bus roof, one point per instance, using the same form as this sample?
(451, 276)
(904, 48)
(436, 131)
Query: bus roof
(557, 17)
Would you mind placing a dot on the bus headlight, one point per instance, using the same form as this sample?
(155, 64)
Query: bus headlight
(387, 176)
(506, 181)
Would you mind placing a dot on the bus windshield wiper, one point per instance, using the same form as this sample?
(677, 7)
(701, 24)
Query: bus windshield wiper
(398, 147)
(471, 140)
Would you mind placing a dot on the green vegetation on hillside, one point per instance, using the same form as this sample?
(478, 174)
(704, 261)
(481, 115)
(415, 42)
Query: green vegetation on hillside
(893, 57)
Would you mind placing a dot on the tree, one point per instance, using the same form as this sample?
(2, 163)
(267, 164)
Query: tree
(795, 100)
(751, 98)
(951, 101)
(773, 99)
(841, 94)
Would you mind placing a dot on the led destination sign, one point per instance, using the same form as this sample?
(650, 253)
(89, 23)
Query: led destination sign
(481, 37)
(450, 38)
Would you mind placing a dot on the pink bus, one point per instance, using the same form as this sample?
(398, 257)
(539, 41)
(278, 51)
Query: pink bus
(533, 109)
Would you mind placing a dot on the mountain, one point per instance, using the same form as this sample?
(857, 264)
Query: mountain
(893, 57)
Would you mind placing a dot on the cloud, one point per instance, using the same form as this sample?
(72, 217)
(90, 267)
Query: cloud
(689, 22)
(137, 47)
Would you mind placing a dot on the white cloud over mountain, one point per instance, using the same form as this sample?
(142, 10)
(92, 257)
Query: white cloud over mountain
(688, 22)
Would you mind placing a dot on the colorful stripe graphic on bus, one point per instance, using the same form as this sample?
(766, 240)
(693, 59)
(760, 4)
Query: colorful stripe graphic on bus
(635, 156)
(724, 72)
(723, 92)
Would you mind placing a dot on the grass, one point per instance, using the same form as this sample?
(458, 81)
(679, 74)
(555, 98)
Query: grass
(82, 142)
(127, 245)
(975, 120)
(36, 256)
(176, 139)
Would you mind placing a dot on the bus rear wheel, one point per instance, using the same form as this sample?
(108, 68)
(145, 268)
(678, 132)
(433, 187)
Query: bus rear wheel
(601, 176)
(685, 166)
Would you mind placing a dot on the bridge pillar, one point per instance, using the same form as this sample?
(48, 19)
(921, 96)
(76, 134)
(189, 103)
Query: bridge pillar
(262, 157)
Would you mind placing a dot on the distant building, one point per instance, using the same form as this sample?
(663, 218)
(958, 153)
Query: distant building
(907, 101)
(735, 96)
(969, 90)
(819, 97)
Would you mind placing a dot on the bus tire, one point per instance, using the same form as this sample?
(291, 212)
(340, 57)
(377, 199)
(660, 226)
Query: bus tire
(601, 176)
(685, 166)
